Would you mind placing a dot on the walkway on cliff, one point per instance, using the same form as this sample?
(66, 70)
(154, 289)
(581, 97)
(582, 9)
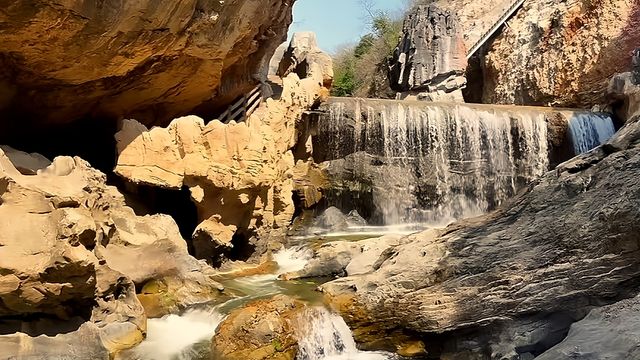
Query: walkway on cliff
(508, 13)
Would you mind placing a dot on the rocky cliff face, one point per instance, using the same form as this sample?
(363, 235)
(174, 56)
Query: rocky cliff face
(431, 56)
(63, 61)
(561, 53)
(509, 284)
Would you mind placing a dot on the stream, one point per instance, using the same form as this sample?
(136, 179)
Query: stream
(188, 336)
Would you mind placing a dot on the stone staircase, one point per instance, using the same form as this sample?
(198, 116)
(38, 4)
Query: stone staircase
(517, 4)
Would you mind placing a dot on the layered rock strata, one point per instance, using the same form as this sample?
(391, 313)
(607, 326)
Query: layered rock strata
(144, 59)
(509, 284)
(71, 257)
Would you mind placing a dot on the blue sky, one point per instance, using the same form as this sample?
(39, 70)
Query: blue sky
(337, 22)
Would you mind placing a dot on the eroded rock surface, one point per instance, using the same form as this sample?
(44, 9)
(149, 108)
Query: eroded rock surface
(509, 284)
(555, 52)
(240, 175)
(145, 59)
(431, 57)
(264, 329)
(71, 257)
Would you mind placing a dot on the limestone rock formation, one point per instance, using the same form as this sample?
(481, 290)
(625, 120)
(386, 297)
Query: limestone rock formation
(561, 53)
(71, 256)
(240, 174)
(264, 329)
(303, 51)
(509, 284)
(145, 59)
(431, 57)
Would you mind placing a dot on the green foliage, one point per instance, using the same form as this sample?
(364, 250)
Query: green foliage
(360, 70)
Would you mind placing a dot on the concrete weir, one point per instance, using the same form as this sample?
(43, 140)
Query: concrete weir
(410, 161)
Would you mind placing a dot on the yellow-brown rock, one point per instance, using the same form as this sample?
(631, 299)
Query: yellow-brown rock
(152, 60)
(264, 329)
(240, 174)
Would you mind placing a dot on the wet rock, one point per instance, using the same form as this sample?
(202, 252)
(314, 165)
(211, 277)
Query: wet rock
(431, 57)
(148, 60)
(332, 219)
(340, 258)
(263, 329)
(509, 284)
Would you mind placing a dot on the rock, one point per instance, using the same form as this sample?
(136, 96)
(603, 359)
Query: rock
(340, 258)
(624, 95)
(609, 332)
(263, 329)
(302, 53)
(143, 59)
(332, 219)
(52, 282)
(509, 284)
(71, 256)
(239, 174)
(309, 180)
(431, 55)
(560, 53)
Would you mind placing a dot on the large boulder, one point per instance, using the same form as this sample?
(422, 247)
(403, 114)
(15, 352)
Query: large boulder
(240, 175)
(555, 52)
(431, 57)
(72, 255)
(144, 59)
(263, 329)
(509, 284)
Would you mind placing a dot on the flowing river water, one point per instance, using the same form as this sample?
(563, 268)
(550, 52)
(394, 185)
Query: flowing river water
(188, 336)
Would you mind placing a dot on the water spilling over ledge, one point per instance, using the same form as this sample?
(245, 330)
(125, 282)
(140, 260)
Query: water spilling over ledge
(400, 161)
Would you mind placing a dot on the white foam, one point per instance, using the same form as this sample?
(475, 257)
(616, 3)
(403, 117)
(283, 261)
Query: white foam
(292, 259)
(173, 336)
(323, 335)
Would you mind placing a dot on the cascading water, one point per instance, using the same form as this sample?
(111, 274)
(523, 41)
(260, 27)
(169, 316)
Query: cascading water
(323, 335)
(428, 163)
(589, 130)
(174, 337)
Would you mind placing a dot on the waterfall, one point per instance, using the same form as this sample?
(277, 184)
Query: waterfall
(428, 163)
(589, 130)
(175, 337)
(323, 335)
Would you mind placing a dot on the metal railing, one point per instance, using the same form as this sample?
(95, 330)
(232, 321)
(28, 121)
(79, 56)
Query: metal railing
(240, 110)
(489, 33)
